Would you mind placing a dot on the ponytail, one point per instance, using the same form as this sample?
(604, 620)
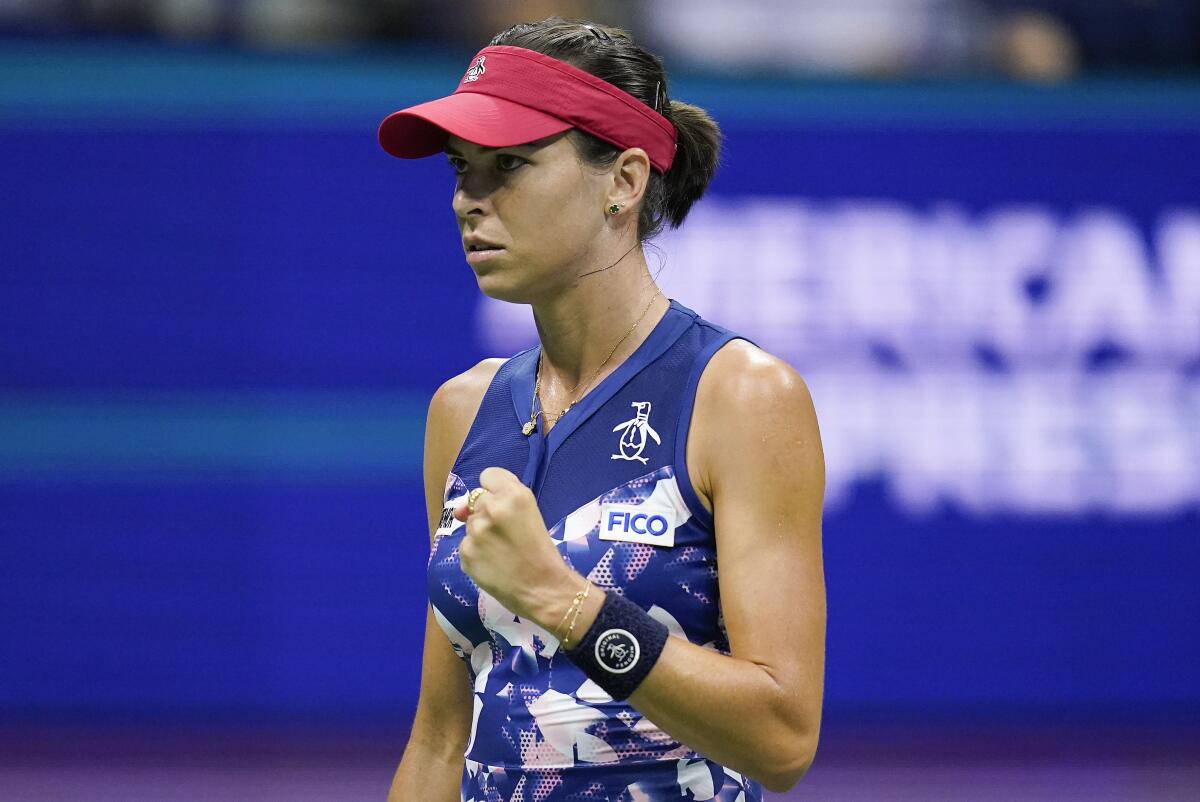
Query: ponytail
(696, 160)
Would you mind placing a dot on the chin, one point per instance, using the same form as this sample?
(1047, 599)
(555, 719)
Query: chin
(496, 288)
(513, 284)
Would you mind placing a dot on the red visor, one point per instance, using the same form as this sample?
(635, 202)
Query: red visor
(511, 95)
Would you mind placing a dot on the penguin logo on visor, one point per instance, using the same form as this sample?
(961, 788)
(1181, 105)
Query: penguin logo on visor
(475, 70)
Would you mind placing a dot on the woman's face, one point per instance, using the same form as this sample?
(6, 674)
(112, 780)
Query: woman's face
(542, 207)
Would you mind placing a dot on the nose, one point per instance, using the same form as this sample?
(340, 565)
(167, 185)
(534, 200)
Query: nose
(472, 195)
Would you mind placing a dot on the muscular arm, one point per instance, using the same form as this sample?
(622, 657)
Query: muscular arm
(431, 768)
(760, 460)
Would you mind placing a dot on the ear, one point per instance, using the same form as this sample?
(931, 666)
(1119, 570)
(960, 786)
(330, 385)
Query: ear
(630, 174)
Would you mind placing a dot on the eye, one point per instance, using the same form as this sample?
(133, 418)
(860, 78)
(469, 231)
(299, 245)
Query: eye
(459, 165)
(507, 161)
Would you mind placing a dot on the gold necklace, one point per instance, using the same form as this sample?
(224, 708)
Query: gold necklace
(530, 426)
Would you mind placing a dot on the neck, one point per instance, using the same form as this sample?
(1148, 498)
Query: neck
(580, 326)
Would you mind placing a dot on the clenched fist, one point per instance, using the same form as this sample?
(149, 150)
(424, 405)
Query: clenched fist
(508, 552)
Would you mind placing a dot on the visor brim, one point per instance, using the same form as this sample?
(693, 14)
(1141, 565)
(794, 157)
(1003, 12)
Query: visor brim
(488, 121)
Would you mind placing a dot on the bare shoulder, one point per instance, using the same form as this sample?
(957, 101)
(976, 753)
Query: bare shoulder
(453, 407)
(742, 368)
(461, 395)
(750, 407)
(451, 412)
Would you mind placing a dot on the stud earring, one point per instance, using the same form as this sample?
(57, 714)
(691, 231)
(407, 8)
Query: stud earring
(614, 208)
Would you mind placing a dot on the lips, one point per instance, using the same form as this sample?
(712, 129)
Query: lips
(474, 244)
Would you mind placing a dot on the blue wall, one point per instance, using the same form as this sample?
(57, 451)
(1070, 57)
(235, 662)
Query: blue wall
(223, 310)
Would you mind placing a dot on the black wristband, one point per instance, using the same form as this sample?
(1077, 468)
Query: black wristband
(620, 647)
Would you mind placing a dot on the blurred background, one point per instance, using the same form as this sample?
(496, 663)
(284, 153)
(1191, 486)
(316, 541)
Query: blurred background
(974, 227)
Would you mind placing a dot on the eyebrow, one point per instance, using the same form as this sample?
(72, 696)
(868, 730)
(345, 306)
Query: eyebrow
(450, 149)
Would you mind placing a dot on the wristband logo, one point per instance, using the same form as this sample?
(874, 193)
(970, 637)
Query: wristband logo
(617, 651)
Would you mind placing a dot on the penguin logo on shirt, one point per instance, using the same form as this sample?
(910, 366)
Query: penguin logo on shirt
(475, 71)
(636, 430)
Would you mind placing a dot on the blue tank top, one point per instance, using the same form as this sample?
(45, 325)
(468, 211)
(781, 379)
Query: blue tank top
(612, 484)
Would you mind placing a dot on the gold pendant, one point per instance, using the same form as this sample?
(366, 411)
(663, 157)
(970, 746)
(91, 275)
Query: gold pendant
(528, 428)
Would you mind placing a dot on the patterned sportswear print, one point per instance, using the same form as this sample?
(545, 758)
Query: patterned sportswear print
(541, 731)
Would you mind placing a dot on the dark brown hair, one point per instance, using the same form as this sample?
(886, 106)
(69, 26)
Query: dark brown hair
(610, 54)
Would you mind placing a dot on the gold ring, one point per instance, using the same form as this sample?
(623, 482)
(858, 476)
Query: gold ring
(474, 497)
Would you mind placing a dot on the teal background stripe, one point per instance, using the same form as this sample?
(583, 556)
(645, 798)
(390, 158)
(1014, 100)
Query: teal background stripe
(122, 84)
(232, 434)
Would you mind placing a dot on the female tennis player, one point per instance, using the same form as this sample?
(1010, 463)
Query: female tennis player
(580, 642)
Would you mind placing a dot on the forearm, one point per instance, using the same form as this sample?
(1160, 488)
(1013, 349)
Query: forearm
(731, 710)
(428, 772)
